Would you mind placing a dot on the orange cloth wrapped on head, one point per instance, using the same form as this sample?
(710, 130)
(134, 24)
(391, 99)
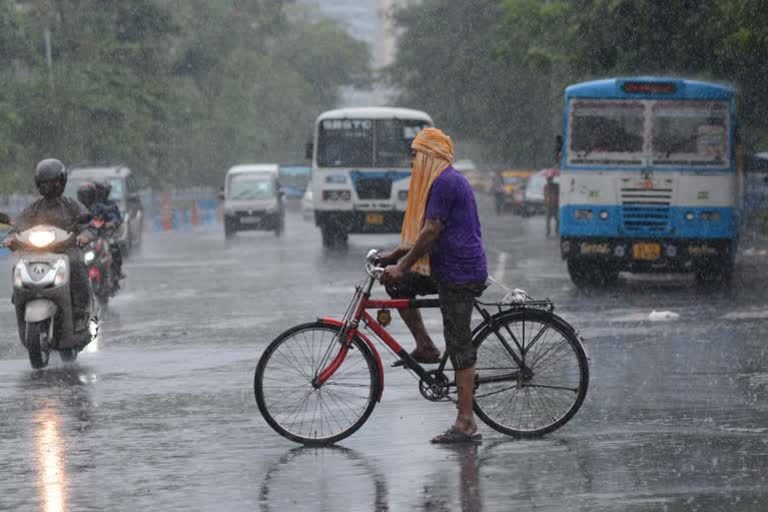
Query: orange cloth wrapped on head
(434, 153)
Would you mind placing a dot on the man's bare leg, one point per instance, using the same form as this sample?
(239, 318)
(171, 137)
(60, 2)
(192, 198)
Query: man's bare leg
(424, 345)
(465, 381)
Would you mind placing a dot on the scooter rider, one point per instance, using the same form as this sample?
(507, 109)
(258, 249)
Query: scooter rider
(54, 209)
(113, 218)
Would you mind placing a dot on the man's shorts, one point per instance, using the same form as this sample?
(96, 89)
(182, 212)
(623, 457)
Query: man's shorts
(456, 304)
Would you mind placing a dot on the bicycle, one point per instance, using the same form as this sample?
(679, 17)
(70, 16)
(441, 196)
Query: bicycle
(317, 383)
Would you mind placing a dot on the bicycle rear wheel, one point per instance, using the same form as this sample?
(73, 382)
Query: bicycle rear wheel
(294, 407)
(543, 393)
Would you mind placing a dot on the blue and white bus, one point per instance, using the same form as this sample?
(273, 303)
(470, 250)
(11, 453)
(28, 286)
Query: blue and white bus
(649, 179)
(361, 169)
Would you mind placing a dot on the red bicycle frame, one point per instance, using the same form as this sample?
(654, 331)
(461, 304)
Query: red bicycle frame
(361, 313)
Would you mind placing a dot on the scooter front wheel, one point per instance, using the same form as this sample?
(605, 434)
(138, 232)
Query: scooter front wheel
(37, 344)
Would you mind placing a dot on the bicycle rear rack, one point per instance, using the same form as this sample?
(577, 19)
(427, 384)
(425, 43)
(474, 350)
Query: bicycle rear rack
(546, 305)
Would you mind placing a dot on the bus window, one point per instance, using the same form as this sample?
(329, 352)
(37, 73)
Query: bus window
(345, 143)
(393, 142)
(690, 133)
(600, 127)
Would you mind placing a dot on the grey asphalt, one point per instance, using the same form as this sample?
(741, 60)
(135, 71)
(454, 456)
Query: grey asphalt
(160, 415)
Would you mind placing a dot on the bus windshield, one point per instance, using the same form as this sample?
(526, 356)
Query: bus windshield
(690, 133)
(658, 133)
(367, 142)
(606, 132)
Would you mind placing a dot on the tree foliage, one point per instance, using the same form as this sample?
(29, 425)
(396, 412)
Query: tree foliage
(495, 69)
(178, 89)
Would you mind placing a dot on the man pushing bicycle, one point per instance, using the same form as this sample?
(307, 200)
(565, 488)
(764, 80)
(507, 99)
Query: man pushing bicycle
(441, 252)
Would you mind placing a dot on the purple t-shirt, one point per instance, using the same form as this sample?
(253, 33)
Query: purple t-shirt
(457, 256)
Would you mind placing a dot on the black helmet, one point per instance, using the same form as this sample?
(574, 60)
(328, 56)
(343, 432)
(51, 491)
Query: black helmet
(50, 178)
(103, 188)
(86, 194)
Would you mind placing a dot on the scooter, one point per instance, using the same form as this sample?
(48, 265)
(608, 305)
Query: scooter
(97, 256)
(42, 294)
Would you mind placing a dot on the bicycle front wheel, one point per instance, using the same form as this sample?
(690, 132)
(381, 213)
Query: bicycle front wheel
(301, 412)
(532, 373)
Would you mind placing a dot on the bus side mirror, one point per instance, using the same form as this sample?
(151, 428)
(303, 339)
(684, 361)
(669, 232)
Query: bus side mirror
(220, 195)
(308, 150)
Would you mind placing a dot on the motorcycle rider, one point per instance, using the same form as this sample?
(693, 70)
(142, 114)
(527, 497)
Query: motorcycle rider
(114, 219)
(54, 209)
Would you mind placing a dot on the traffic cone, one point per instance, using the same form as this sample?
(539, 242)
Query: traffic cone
(167, 215)
(195, 214)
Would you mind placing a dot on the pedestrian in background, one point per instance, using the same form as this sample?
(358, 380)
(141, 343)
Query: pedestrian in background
(552, 204)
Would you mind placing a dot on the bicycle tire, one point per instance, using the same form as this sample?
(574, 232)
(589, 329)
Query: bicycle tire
(317, 361)
(489, 413)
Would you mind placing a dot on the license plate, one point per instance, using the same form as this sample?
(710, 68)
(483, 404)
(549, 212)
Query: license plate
(250, 220)
(646, 251)
(374, 218)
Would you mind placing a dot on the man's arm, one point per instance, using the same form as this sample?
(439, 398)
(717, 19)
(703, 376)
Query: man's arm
(390, 257)
(423, 245)
(86, 233)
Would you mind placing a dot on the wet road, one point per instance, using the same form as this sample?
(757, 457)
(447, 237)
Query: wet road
(160, 414)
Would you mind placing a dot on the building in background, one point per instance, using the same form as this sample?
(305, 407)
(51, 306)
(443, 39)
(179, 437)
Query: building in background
(370, 21)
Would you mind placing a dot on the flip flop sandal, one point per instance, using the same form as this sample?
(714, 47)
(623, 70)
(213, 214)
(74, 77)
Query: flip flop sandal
(419, 360)
(454, 435)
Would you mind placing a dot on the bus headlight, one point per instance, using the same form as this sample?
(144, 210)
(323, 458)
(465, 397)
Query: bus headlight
(689, 216)
(604, 215)
(710, 216)
(582, 214)
(671, 251)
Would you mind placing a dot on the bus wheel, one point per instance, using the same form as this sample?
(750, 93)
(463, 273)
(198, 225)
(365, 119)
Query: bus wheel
(716, 273)
(583, 274)
(333, 236)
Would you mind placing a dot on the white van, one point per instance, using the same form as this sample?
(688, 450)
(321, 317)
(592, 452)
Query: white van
(253, 199)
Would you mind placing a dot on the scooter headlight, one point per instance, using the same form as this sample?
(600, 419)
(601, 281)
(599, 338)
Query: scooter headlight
(89, 256)
(62, 273)
(17, 282)
(42, 238)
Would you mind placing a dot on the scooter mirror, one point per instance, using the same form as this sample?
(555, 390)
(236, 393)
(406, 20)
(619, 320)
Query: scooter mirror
(5, 218)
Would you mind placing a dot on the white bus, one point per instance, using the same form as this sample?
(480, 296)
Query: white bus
(361, 168)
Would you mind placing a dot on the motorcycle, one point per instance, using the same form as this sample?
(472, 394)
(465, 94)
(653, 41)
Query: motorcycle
(41, 280)
(97, 256)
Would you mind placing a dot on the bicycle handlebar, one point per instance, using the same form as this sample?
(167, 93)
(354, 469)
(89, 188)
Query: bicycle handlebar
(371, 264)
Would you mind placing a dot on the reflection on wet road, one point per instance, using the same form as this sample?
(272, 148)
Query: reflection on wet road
(160, 415)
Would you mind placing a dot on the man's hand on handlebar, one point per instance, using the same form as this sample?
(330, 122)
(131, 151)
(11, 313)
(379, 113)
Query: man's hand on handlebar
(392, 274)
(82, 240)
(9, 242)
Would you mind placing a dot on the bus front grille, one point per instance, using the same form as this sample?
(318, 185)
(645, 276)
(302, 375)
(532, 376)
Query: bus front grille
(646, 211)
(373, 188)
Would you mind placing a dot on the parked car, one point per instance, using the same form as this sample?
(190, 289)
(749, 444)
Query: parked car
(125, 192)
(533, 197)
(253, 199)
